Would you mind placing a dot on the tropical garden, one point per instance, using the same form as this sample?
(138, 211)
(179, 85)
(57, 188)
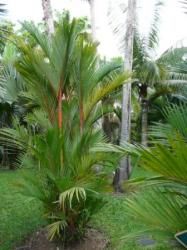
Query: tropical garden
(92, 150)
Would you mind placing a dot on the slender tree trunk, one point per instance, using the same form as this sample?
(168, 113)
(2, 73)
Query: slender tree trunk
(144, 114)
(124, 170)
(144, 121)
(93, 19)
(48, 16)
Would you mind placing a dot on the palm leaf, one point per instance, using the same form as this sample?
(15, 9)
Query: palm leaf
(68, 195)
(163, 217)
(99, 94)
(175, 116)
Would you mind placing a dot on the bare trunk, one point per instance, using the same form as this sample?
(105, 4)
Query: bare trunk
(144, 124)
(124, 169)
(48, 16)
(93, 20)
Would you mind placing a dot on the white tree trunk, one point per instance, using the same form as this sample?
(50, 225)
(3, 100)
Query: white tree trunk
(93, 19)
(48, 16)
(124, 169)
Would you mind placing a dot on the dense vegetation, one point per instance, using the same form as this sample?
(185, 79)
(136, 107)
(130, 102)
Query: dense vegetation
(61, 133)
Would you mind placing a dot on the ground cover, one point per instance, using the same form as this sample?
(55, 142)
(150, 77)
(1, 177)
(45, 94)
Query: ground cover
(21, 217)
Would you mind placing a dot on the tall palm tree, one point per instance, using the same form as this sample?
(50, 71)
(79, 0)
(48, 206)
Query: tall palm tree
(151, 73)
(141, 48)
(48, 16)
(126, 102)
(148, 72)
(92, 18)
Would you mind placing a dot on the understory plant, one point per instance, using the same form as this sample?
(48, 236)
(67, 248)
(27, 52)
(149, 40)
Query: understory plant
(160, 201)
(63, 177)
(59, 142)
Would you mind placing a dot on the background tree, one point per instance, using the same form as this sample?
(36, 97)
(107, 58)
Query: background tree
(48, 16)
(92, 18)
(124, 169)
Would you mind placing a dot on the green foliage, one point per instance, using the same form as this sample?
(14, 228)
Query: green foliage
(65, 180)
(155, 78)
(159, 212)
(67, 62)
(175, 117)
(162, 207)
(61, 77)
(174, 56)
(6, 31)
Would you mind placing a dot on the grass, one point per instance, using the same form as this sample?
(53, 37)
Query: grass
(116, 225)
(21, 216)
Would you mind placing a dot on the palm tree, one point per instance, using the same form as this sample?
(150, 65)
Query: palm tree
(48, 16)
(64, 152)
(124, 169)
(66, 46)
(92, 18)
(154, 74)
(138, 53)
(148, 72)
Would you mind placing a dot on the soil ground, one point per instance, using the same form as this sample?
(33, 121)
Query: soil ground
(94, 240)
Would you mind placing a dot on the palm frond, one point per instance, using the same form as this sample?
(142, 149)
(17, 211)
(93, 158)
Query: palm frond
(164, 217)
(117, 21)
(68, 195)
(168, 162)
(55, 229)
(184, 5)
(99, 94)
(175, 116)
(153, 37)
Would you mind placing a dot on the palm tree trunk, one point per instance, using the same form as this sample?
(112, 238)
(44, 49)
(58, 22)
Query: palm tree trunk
(124, 169)
(93, 20)
(144, 122)
(48, 16)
